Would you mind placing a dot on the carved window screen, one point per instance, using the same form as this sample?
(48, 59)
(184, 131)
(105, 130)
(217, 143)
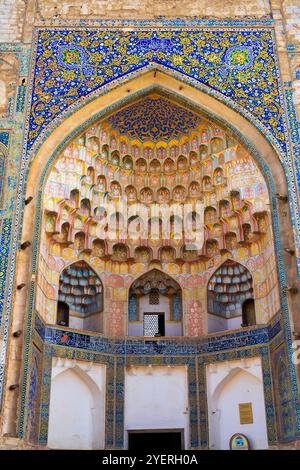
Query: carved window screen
(154, 297)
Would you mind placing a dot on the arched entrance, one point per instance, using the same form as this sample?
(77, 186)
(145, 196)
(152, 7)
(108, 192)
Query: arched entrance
(248, 312)
(62, 315)
(80, 120)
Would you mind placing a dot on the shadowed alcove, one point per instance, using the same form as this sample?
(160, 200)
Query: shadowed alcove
(230, 301)
(155, 306)
(80, 298)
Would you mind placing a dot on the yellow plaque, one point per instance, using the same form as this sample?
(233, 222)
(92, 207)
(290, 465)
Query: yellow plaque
(246, 414)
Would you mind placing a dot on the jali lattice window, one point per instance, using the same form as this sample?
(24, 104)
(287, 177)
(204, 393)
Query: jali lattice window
(154, 297)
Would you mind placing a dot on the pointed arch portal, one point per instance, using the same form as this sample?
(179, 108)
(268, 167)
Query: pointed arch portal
(178, 89)
(193, 99)
(95, 150)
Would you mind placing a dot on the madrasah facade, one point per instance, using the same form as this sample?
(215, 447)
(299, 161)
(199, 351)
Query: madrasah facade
(149, 223)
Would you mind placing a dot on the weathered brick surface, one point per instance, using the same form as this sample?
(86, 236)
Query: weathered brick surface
(13, 443)
(152, 8)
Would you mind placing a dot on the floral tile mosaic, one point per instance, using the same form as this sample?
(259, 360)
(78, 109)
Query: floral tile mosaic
(240, 65)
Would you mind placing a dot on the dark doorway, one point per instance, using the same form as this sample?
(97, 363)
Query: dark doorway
(249, 313)
(62, 314)
(155, 440)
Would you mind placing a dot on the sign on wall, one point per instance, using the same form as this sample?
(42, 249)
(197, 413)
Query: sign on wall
(246, 414)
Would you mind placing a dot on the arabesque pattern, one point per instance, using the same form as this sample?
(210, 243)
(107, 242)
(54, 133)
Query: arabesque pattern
(240, 65)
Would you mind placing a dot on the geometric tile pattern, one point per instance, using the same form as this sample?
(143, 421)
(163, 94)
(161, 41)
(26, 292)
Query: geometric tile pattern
(11, 136)
(6, 228)
(92, 342)
(283, 395)
(294, 127)
(33, 408)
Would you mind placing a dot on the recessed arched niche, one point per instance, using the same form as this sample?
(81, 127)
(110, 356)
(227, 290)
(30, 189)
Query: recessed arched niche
(230, 298)
(80, 298)
(155, 306)
(77, 405)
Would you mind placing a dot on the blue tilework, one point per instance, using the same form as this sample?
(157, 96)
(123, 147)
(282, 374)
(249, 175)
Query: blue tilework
(97, 343)
(4, 137)
(154, 118)
(240, 65)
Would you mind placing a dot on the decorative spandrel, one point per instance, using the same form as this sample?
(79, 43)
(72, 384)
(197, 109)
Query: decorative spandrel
(240, 65)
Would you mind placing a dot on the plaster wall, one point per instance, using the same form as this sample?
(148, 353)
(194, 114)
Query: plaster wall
(77, 405)
(217, 323)
(90, 323)
(156, 398)
(163, 306)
